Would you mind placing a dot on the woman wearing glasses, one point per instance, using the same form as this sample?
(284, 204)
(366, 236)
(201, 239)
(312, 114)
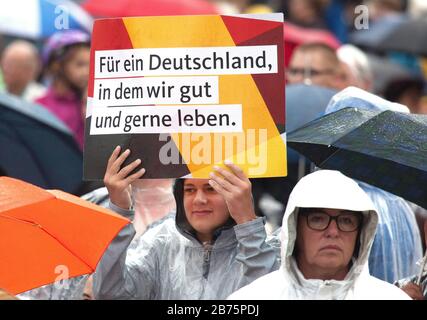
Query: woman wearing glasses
(327, 232)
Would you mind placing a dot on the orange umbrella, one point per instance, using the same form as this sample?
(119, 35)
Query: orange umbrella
(42, 232)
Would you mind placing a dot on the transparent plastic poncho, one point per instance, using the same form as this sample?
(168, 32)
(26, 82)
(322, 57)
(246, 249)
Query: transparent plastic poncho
(397, 244)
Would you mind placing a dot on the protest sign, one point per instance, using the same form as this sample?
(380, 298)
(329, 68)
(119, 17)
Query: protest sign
(184, 93)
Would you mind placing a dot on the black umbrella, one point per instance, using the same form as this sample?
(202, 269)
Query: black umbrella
(386, 149)
(409, 37)
(37, 147)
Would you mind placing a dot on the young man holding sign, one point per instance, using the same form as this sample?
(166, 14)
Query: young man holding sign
(213, 246)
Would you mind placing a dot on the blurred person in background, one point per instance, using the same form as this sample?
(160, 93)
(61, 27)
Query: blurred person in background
(66, 57)
(231, 6)
(356, 69)
(409, 285)
(244, 6)
(153, 200)
(307, 13)
(417, 8)
(2, 86)
(406, 91)
(20, 65)
(315, 63)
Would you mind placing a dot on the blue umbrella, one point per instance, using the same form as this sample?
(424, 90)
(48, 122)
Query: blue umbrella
(36, 19)
(304, 103)
(37, 147)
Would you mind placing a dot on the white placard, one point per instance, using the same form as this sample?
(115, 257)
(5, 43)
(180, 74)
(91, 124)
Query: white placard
(185, 61)
(167, 119)
(155, 90)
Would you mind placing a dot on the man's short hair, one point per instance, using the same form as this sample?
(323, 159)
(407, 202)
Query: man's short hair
(329, 53)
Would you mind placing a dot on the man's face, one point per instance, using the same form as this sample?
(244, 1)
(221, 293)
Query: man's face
(205, 209)
(18, 71)
(325, 254)
(311, 68)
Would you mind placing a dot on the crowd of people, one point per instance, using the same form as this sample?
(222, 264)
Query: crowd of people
(331, 238)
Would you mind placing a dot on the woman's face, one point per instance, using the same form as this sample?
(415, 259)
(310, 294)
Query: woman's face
(205, 209)
(324, 254)
(76, 67)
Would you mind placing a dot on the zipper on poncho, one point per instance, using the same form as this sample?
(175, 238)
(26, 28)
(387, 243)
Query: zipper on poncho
(207, 249)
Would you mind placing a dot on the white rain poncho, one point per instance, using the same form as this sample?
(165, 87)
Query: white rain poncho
(168, 262)
(397, 246)
(323, 189)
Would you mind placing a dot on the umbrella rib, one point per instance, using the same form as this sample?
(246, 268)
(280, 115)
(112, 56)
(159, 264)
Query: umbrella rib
(332, 154)
(20, 220)
(34, 224)
(338, 140)
(361, 152)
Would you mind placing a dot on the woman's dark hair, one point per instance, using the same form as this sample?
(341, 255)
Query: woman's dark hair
(181, 219)
(397, 87)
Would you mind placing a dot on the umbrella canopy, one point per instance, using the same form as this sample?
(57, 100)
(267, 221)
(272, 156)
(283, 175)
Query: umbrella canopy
(386, 149)
(378, 31)
(37, 147)
(124, 8)
(409, 37)
(42, 230)
(36, 19)
(305, 103)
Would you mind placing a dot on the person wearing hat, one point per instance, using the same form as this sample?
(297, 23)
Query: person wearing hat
(66, 57)
(327, 233)
(212, 246)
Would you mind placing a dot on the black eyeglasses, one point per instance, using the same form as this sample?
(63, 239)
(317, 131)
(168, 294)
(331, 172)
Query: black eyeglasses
(293, 72)
(346, 222)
